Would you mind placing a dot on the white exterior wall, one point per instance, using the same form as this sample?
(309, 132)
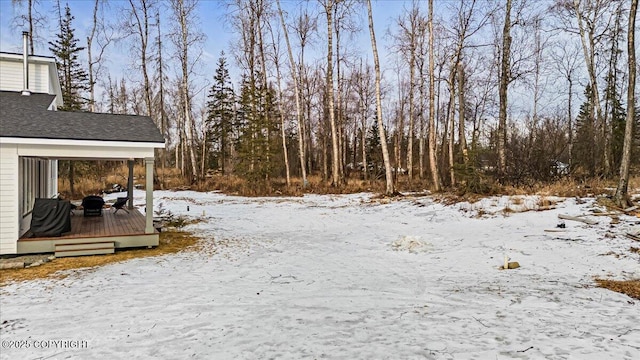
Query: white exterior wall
(11, 77)
(9, 211)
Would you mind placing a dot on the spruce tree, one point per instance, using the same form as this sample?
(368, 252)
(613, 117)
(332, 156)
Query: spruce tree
(221, 113)
(257, 143)
(617, 118)
(584, 155)
(73, 78)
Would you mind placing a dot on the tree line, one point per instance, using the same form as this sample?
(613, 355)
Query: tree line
(515, 91)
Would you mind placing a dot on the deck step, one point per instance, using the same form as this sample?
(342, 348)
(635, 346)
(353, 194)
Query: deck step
(87, 248)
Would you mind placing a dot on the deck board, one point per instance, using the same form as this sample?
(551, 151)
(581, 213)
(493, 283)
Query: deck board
(109, 224)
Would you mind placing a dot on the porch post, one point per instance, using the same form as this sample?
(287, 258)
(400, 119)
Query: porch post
(130, 185)
(148, 163)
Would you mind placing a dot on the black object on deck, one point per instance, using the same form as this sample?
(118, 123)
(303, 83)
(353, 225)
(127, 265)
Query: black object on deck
(50, 217)
(92, 205)
(120, 204)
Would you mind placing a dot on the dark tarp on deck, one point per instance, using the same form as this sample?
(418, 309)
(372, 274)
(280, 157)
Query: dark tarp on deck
(50, 217)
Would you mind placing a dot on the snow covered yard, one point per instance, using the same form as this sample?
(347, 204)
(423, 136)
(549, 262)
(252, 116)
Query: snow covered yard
(346, 277)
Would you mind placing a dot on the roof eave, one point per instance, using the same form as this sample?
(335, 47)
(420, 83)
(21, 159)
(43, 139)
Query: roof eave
(79, 142)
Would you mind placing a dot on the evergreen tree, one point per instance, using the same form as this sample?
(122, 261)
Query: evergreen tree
(374, 149)
(257, 141)
(617, 118)
(221, 114)
(73, 78)
(584, 155)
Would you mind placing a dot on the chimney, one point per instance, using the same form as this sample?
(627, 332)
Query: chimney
(25, 63)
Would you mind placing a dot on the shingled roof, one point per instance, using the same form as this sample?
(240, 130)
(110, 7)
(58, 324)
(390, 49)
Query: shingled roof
(27, 117)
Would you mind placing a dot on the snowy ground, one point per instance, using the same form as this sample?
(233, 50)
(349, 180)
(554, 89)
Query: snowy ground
(346, 277)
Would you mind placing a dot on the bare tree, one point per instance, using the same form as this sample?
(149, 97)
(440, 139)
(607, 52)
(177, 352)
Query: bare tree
(329, 8)
(296, 85)
(502, 93)
(185, 37)
(566, 57)
(140, 14)
(32, 18)
(589, 15)
(433, 163)
(413, 28)
(381, 132)
(276, 63)
(98, 33)
(305, 25)
(365, 93)
(161, 98)
(621, 196)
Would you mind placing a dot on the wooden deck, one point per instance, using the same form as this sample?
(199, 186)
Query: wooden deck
(123, 229)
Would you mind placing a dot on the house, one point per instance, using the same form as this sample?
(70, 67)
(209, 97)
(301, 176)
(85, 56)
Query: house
(34, 136)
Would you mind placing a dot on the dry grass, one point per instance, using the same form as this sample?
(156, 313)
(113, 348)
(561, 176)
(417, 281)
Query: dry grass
(170, 242)
(629, 287)
(235, 185)
(96, 183)
(569, 187)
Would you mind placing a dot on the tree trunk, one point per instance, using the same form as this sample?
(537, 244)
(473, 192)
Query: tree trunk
(340, 115)
(433, 164)
(92, 101)
(335, 158)
(296, 86)
(381, 132)
(397, 158)
(163, 113)
(411, 110)
(189, 127)
(621, 196)
(263, 64)
(30, 19)
(283, 134)
(451, 123)
(589, 54)
(502, 92)
(142, 27)
(462, 137)
(422, 134)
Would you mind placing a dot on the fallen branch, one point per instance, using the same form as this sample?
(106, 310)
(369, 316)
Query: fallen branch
(605, 214)
(481, 323)
(525, 350)
(627, 332)
(575, 218)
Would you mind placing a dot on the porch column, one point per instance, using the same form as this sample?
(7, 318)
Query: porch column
(148, 163)
(130, 185)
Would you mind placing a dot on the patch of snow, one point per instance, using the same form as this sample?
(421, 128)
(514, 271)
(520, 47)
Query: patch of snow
(314, 277)
(412, 244)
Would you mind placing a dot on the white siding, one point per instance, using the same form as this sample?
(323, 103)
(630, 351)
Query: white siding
(11, 76)
(9, 212)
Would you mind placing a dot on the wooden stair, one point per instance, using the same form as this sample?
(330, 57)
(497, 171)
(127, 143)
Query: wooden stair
(86, 248)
